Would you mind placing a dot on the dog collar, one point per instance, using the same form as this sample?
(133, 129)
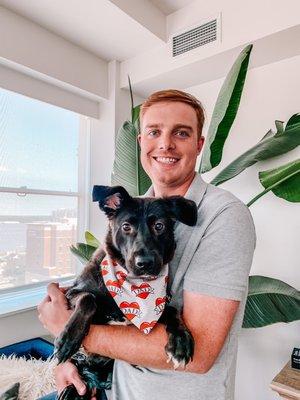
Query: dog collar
(141, 301)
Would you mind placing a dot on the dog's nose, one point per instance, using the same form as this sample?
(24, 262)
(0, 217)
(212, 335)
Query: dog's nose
(144, 262)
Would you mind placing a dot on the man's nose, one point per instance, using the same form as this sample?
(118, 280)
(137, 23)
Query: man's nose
(166, 142)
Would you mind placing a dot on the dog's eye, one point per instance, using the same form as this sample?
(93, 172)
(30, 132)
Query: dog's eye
(159, 226)
(126, 227)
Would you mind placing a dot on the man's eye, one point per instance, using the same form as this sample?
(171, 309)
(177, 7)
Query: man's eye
(153, 133)
(182, 133)
(126, 227)
(159, 226)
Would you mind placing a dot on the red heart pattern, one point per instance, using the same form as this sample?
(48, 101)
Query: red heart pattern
(121, 276)
(132, 294)
(146, 327)
(143, 290)
(131, 310)
(114, 288)
(160, 304)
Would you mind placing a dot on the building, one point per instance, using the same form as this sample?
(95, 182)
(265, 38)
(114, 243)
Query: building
(48, 249)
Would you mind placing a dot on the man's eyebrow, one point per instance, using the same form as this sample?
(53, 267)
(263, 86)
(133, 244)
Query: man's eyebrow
(153, 126)
(175, 126)
(183, 126)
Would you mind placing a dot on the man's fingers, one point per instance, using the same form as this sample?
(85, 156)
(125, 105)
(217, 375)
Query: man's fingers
(77, 382)
(42, 304)
(66, 374)
(45, 300)
(63, 289)
(94, 391)
(54, 292)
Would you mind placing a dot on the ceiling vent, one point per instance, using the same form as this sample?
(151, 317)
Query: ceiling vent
(194, 38)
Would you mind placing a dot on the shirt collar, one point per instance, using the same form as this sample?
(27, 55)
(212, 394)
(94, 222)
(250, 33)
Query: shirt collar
(195, 192)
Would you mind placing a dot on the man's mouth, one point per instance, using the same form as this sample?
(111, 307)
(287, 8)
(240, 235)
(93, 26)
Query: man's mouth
(167, 160)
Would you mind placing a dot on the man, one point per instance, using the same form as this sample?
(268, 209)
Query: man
(208, 276)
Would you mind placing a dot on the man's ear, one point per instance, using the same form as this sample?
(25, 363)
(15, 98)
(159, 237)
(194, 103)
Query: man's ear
(200, 144)
(184, 210)
(139, 139)
(110, 198)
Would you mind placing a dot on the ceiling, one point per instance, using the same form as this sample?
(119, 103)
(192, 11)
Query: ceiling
(170, 6)
(104, 27)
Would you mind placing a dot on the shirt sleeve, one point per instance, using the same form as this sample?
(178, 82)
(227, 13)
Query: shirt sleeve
(221, 264)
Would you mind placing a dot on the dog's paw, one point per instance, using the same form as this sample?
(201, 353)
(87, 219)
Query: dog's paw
(66, 345)
(180, 348)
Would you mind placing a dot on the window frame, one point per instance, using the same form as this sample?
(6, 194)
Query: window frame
(26, 297)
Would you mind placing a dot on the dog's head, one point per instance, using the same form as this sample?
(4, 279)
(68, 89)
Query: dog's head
(141, 230)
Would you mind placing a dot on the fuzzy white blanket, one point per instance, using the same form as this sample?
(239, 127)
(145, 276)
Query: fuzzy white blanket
(35, 376)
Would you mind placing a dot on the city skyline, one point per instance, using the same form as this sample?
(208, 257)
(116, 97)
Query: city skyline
(36, 250)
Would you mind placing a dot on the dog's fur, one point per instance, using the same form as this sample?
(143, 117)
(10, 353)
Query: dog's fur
(141, 239)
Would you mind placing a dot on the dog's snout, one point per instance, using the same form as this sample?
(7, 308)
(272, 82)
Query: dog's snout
(144, 262)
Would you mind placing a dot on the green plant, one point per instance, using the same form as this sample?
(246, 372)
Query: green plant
(269, 300)
(127, 168)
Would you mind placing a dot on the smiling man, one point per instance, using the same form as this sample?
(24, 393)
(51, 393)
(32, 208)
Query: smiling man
(169, 147)
(208, 275)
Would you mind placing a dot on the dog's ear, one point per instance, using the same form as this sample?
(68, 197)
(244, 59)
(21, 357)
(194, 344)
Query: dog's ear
(110, 198)
(184, 210)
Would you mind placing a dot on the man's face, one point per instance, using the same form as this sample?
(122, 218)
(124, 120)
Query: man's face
(169, 143)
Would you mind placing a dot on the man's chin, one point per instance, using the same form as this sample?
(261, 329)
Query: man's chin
(165, 178)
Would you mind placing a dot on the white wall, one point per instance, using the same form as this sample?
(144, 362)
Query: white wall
(21, 326)
(48, 67)
(271, 92)
(242, 22)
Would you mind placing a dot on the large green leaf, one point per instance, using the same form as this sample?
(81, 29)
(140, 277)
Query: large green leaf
(269, 301)
(271, 145)
(83, 252)
(284, 182)
(127, 170)
(225, 112)
(91, 240)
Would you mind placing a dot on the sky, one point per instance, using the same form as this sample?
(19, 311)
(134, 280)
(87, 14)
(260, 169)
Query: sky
(38, 149)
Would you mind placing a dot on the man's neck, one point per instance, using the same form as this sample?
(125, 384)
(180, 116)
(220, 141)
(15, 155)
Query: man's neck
(180, 190)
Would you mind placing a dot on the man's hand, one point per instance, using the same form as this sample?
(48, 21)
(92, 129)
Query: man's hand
(53, 311)
(67, 374)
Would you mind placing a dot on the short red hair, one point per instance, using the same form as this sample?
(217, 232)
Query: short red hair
(179, 96)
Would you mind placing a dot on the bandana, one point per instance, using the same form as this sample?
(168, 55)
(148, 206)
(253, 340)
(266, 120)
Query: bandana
(141, 301)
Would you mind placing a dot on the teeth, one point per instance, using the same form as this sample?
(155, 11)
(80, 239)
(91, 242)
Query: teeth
(166, 160)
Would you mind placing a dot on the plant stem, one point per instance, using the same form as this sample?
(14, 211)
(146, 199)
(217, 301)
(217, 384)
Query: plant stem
(131, 98)
(271, 187)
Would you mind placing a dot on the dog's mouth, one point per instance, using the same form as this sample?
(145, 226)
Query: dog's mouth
(148, 277)
(142, 275)
(145, 266)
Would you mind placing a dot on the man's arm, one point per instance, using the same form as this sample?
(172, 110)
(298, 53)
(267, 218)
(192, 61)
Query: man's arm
(208, 318)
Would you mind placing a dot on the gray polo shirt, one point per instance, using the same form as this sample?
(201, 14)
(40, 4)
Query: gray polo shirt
(213, 258)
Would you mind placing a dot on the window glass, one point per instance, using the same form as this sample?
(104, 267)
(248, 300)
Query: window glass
(38, 144)
(38, 150)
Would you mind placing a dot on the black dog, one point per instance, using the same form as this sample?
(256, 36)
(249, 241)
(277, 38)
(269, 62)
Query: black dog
(141, 239)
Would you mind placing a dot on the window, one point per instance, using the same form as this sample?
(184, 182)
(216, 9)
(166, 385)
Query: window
(39, 190)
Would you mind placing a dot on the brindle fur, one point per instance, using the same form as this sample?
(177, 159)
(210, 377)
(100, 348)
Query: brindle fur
(143, 251)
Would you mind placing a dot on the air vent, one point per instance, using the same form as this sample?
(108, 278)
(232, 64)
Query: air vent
(194, 38)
